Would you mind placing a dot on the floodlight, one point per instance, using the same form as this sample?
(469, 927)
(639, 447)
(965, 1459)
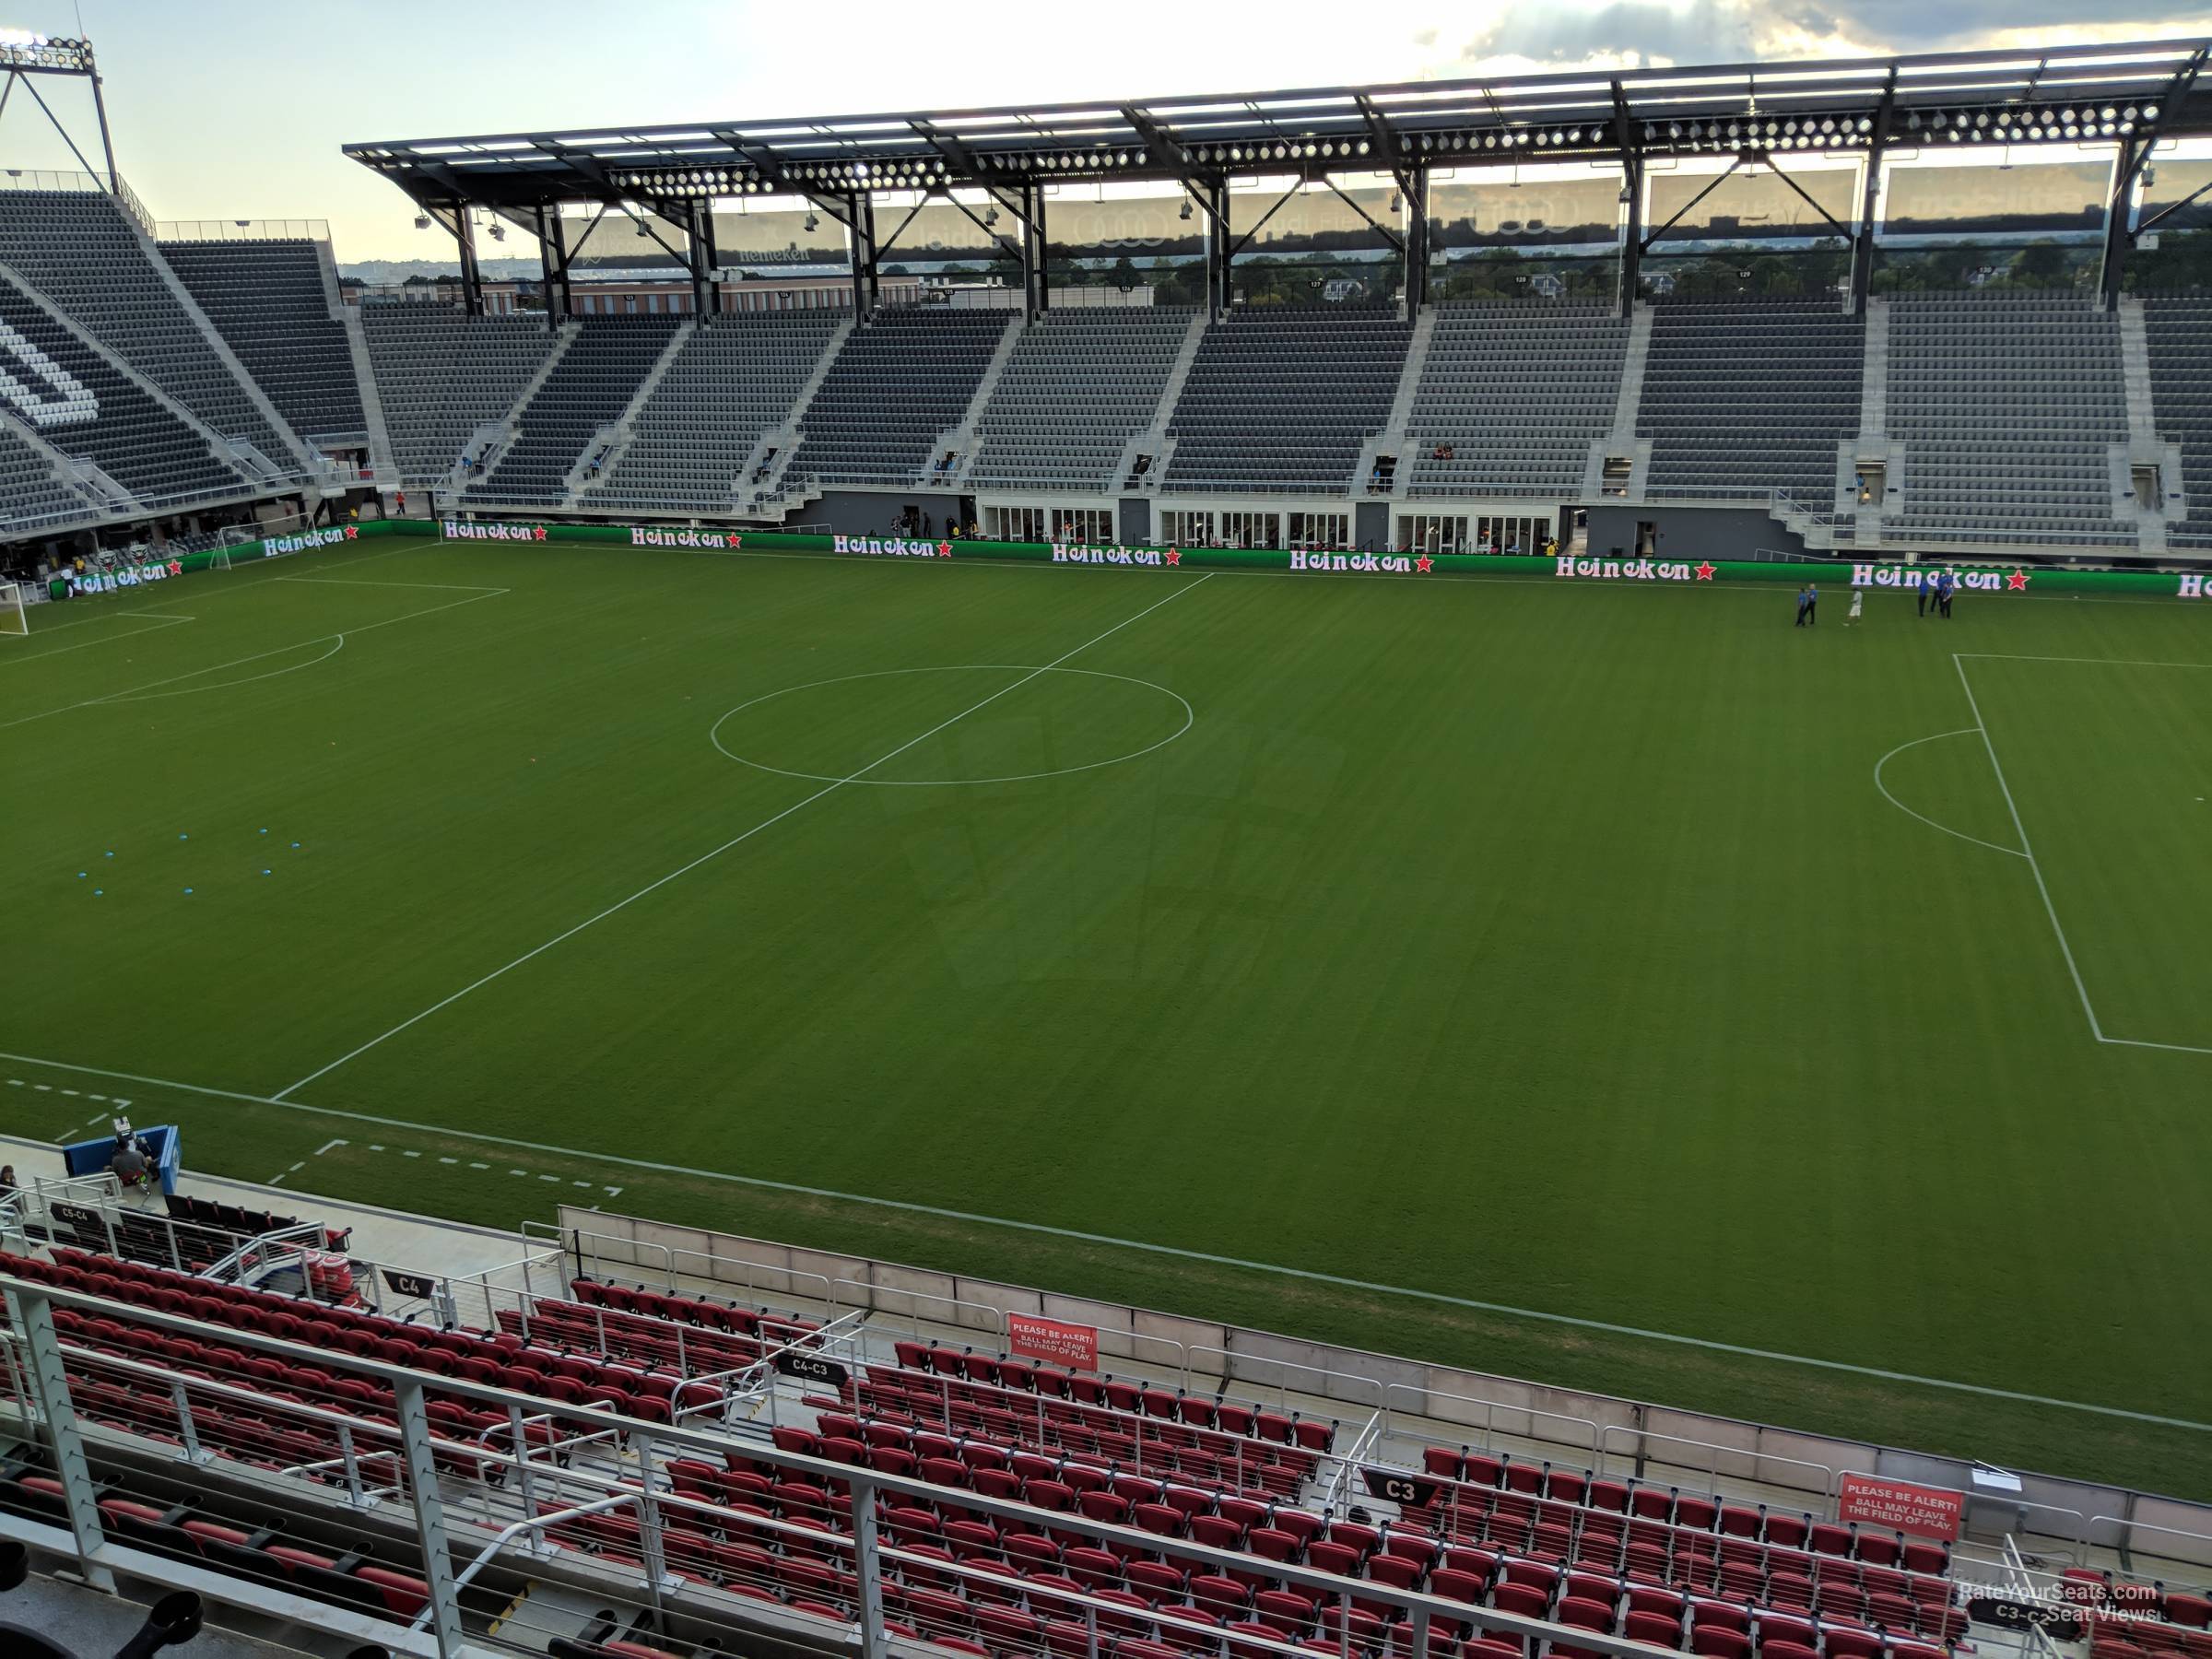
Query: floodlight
(814, 221)
(422, 221)
(1186, 208)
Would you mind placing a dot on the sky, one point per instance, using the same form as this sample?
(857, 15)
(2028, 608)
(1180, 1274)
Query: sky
(236, 109)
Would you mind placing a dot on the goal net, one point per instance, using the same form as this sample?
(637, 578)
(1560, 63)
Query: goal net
(15, 613)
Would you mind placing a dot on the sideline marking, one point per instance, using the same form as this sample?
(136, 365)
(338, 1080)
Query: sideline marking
(1924, 817)
(139, 693)
(167, 621)
(827, 788)
(245, 585)
(1190, 719)
(1177, 1251)
(2051, 910)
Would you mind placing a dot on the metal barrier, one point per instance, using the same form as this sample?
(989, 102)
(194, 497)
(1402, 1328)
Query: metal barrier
(1585, 1440)
(242, 231)
(632, 1530)
(1821, 1491)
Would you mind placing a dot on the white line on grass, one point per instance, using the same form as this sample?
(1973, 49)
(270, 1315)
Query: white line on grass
(1924, 817)
(141, 693)
(827, 788)
(1173, 1251)
(2051, 910)
(407, 546)
(40, 656)
(2012, 656)
(2027, 849)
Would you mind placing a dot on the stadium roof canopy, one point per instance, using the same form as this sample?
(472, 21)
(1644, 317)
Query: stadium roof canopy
(2067, 95)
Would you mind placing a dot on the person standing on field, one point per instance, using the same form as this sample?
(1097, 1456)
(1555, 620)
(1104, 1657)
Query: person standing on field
(1920, 586)
(1805, 603)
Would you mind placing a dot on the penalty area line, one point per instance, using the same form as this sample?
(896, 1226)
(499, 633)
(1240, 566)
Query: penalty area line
(1175, 1251)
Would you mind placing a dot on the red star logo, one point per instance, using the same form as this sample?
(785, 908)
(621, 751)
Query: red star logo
(352, 531)
(1423, 564)
(736, 541)
(541, 533)
(944, 549)
(176, 566)
(2017, 582)
(1705, 572)
(1175, 555)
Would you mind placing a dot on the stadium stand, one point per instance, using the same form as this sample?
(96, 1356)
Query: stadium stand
(84, 253)
(266, 298)
(735, 379)
(1280, 399)
(1751, 395)
(2180, 332)
(131, 437)
(32, 493)
(898, 382)
(441, 374)
(2007, 405)
(589, 387)
(1160, 1468)
(1080, 386)
(1510, 398)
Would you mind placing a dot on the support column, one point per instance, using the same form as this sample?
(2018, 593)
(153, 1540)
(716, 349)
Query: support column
(1416, 257)
(472, 277)
(1217, 253)
(34, 1319)
(1631, 244)
(865, 288)
(2119, 208)
(698, 246)
(553, 265)
(1036, 252)
(1861, 245)
(445, 1609)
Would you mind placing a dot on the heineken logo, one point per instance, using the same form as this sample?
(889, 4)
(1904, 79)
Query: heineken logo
(642, 536)
(2192, 586)
(890, 547)
(455, 530)
(272, 545)
(1159, 558)
(1363, 564)
(1919, 576)
(1631, 569)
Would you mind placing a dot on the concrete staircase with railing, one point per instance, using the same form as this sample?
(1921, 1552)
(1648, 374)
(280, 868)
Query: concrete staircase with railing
(1154, 441)
(771, 459)
(257, 472)
(960, 442)
(491, 440)
(1390, 443)
(301, 461)
(608, 444)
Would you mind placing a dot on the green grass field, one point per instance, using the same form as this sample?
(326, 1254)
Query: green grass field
(1535, 947)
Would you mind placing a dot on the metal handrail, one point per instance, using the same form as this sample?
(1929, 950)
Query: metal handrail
(515, 1529)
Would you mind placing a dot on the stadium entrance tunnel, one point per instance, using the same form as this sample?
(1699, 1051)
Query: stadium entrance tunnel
(963, 724)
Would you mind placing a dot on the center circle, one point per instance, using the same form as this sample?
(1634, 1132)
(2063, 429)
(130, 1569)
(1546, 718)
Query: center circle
(949, 720)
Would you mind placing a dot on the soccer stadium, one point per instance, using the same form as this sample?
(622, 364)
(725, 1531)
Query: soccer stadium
(1415, 870)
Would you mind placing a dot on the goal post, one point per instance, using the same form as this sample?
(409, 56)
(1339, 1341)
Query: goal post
(14, 612)
(233, 537)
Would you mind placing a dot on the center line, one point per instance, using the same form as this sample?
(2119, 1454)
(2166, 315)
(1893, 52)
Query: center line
(708, 857)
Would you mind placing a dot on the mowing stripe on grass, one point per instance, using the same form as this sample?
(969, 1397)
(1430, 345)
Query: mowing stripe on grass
(827, 788)
(1174, 1250)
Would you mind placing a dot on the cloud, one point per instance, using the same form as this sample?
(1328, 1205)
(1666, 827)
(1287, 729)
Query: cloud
(1628, 33)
